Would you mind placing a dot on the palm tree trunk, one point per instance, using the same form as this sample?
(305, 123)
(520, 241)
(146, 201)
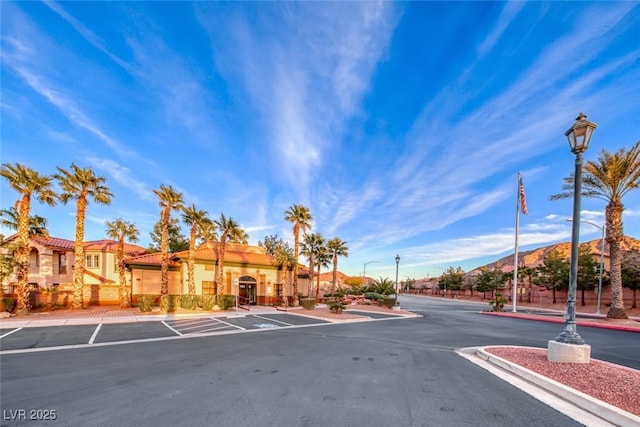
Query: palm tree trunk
(125, 298)
(23, 305)
(296, 247)
(335, 272)
(318, 281)
(613, 215)
(221, 251)
(164, 248)
(79, 261)
(190, 263)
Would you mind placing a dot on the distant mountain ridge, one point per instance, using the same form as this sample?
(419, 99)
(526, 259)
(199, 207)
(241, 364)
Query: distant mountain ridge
(535, 257)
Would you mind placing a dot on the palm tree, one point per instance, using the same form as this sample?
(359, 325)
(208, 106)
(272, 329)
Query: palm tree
(26, 182)
(610, 178)
(9, 218)
(323, 259)
(285, 260)
(81, 185)
(196, 219)
(301, 218)
(311, 245)
(120, 230)
(168, 199)
(337, 248)
(229, 231)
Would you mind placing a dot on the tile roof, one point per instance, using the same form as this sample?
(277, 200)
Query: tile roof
(234, 253)
(104, 245)
(150, 259)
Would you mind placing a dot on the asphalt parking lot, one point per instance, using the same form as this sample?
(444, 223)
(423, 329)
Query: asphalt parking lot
(12, 339)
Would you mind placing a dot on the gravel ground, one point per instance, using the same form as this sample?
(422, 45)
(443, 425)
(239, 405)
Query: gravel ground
(613, 384)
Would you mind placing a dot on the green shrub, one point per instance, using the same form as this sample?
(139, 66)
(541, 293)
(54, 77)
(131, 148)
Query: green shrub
(207, 302)
(374, 296)
(227, 302)
(497, 304)
(146, 302)
(308, 303)
(8, 304)
(387, 301)
(190, 302)
(336, 306)
(328, 294)
(340, 293)
(169, 303)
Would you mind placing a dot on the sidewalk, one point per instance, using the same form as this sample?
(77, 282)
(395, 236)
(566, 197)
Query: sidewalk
(582, 319)
(114, 314)
(109, 314)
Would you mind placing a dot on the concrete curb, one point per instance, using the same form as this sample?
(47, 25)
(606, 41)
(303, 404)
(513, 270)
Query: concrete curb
(581, 400)
(580, 322)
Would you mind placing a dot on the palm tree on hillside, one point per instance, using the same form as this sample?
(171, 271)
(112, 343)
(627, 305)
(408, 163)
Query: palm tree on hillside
(301, 218)
(168, 199)
(610, 178)
(122, 230)
(10, 219)
(229, 231)
(337, 247)
(81, 185)
(311, 245)
(27, 183)
(196, 219)
(284, 259)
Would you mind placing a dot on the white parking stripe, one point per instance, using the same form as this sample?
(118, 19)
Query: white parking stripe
(274, 320)
(205, 330)
(202, 326)
(9, 333)
(165, 324)
(95, 333)
(235, 326)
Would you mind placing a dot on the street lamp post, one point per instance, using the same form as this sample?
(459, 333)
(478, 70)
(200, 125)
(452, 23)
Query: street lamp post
(603, 229)
(578, 136)
(364, 271)
(397, 264)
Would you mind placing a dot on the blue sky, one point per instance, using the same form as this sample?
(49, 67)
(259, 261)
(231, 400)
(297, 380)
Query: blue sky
(402, 126)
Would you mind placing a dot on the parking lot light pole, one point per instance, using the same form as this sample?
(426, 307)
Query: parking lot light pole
(603, 229)
(397, 265)
(578, 136)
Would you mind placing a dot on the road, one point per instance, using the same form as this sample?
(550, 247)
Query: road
(390, 372)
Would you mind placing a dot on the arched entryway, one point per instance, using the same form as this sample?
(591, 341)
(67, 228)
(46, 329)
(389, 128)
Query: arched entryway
(248, 290)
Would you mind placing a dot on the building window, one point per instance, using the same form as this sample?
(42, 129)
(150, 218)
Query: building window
(278, 289)
(92, 261)
(62, 264)
(208, 287)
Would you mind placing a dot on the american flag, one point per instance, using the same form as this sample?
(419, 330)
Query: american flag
(523, 198)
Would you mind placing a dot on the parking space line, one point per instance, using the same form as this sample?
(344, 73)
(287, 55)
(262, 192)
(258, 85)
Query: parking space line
(205, 330)
(165, 324)
(191, 322)
(9, 333)
(198, 326)
(230, 324)
(273, 320)
(95, 334)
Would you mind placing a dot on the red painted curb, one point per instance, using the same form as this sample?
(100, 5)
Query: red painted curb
(561, 320)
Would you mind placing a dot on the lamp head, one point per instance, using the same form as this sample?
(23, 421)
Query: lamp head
(580, 134)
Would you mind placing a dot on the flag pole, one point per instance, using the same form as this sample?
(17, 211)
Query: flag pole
(515, 256)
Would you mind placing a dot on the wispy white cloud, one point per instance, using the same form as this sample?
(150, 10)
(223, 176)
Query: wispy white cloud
(509, 12)
(305, 78)
(89, 35)
(123, 176)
